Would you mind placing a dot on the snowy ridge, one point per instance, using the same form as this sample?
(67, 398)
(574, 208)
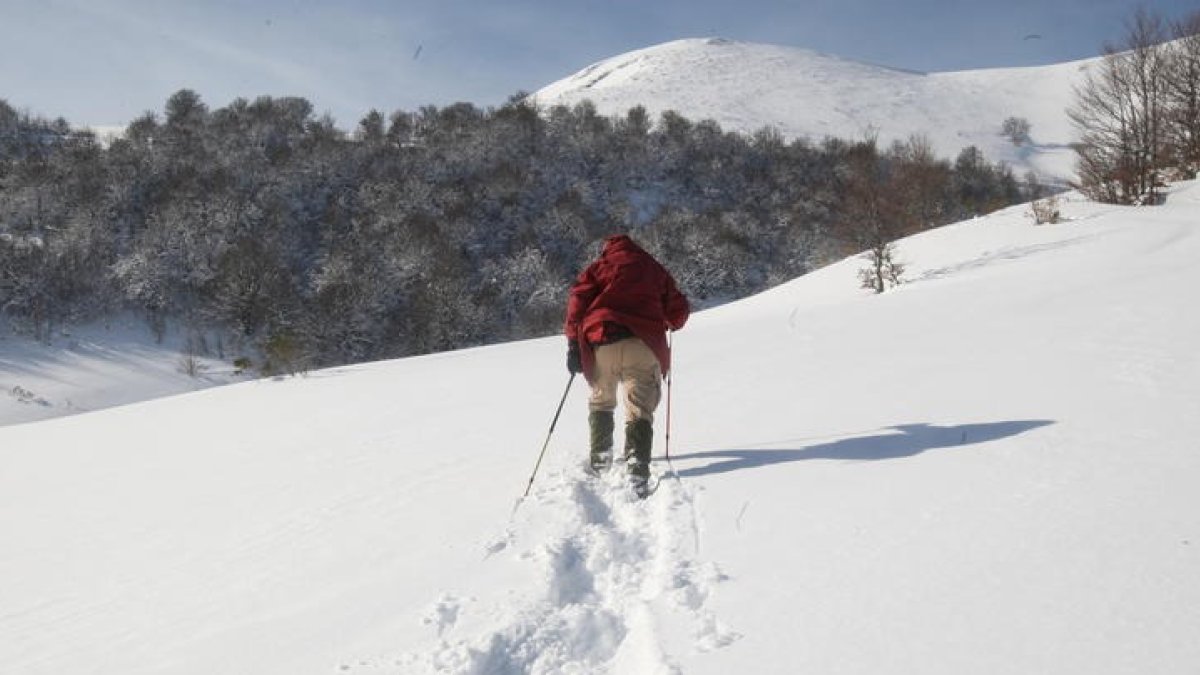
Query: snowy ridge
(802, 93)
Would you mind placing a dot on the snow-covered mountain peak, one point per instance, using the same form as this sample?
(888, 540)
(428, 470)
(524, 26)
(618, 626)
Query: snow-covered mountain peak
(808, 94)
(708, 62)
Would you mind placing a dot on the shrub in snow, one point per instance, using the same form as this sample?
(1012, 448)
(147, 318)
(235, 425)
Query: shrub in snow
(285, 354)
(23, 395)
(190, 365)
(884, 271)
(1016, 129)
(1045, 211)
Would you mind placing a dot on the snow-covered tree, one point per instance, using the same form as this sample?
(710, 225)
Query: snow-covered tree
(1016, 129)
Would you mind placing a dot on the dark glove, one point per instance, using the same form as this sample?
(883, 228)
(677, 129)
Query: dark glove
(574, 360)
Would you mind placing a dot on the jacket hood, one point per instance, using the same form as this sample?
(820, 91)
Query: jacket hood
(619, 241)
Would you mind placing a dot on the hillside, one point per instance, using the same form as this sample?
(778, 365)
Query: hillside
(254, 222)
(991, 470)
(97, 366)
(746, 86)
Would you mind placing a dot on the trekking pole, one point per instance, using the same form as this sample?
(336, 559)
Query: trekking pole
(548, 434)
(667, 445)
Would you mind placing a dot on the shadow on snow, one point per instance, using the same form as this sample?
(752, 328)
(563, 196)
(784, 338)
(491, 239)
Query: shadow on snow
(904, 440)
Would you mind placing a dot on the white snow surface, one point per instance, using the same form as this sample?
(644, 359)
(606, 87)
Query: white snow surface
(805, 94)
(992, 469)
(97, 366)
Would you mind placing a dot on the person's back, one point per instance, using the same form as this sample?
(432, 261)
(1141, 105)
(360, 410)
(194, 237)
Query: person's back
(618, 313)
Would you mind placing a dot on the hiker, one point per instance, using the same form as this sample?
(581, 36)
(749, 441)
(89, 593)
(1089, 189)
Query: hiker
(618, 313)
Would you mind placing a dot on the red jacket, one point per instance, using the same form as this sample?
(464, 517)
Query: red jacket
(627, 287)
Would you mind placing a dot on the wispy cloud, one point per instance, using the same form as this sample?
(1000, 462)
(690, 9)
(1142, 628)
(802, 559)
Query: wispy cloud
(206, 45)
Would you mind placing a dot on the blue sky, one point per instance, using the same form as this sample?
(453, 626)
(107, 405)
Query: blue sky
(104, 62)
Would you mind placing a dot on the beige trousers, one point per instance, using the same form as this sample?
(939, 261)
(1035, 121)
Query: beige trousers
(631, 364)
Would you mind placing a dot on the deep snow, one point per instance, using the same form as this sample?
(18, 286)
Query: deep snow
(991, 469)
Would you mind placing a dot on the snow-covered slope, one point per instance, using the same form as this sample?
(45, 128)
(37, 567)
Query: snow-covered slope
(992, 469)
(98, 366)
(746, 86)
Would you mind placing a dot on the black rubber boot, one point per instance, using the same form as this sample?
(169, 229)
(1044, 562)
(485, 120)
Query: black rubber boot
(601, 424)
(639, 435)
